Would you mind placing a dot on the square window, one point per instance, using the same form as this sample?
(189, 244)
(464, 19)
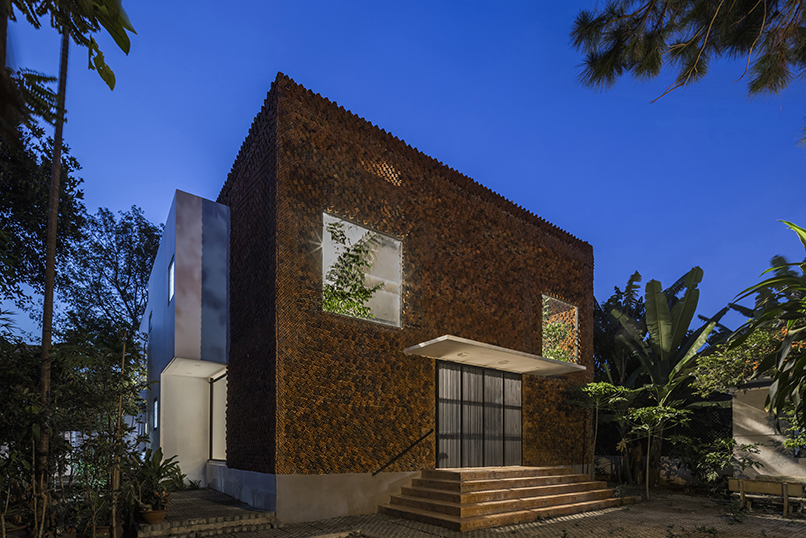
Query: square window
(361, 272)
(559, 330)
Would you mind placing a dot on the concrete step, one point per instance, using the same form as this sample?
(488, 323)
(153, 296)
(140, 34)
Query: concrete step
(498, 506)
(468, 523)
(467, 474)
(499, 483)
(200, 527)
(502, 491)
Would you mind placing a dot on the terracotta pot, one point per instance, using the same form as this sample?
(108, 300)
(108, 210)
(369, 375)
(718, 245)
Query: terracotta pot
(153, 517)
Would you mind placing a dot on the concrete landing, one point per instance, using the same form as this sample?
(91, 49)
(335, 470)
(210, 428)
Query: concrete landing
(207, 512)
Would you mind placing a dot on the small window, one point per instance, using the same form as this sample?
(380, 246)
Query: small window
(155, 421)
(171, 270)
(361, 272)
(150, 315)
(559, 330)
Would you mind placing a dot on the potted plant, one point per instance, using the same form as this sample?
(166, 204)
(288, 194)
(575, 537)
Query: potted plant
(148, 480)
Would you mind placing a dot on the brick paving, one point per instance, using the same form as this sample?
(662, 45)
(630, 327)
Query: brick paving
(665, 516)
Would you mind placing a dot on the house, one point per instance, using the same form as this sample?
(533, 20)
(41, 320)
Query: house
(276, 386)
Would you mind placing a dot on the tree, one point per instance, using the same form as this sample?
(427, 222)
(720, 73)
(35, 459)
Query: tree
(599, 396)
(25, 166)
(781, 305)
(76, 20)
(106, 282)
(637, 36)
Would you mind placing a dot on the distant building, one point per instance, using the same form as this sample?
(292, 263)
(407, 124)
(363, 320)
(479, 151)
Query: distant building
(480, 315)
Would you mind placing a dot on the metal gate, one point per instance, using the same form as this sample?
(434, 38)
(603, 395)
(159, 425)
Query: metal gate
(478, 416)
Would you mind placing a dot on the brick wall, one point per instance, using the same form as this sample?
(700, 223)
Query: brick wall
(474, 265)
(250, 193)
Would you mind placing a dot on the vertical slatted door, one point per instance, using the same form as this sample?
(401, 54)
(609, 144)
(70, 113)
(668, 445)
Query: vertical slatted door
(478, 417)
(449, 415)
(472, 417)
(493, 418)
(513, 436)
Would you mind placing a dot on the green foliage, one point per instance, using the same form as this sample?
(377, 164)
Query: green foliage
(725, 366)
(555, 336)
(613, 358)
(649, 423)
(638, 36)
(80, 19)
(25, 173)
(344, 290)
(105, 285)
(87, 387)
(151, 478)
(781, 305)
(707, 461)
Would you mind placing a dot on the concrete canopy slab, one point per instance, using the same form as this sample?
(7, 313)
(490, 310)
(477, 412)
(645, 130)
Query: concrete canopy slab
(455, 349)
(194, 368)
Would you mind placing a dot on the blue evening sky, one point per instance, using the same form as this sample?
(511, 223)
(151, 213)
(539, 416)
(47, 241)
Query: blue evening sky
(489, 88)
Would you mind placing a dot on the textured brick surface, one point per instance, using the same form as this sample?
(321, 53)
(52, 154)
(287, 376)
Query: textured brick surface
(474, 265)
(250, 194)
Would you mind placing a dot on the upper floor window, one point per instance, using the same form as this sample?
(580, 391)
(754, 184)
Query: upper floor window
(171, 271)
(361, 272)
(559, 330)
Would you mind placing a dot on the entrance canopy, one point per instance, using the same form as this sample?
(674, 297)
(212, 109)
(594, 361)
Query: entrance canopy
(461, 350)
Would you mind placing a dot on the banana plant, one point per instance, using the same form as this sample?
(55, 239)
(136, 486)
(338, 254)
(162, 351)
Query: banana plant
(666, 347)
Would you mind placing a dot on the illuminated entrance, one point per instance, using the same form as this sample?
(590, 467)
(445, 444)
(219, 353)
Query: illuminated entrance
(478, 416)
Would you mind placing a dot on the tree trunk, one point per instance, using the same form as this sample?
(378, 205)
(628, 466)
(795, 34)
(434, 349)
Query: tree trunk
(50, 273)
(648, 451)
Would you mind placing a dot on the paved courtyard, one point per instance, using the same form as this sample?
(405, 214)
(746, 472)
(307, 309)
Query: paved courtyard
(665, 516)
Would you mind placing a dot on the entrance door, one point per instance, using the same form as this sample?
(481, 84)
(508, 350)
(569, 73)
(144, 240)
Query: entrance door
(478, 416)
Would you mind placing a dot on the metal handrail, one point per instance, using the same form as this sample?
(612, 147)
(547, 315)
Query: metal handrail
(390, 462)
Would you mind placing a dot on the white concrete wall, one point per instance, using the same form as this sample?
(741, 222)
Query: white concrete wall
(185, 423)
(752, 424)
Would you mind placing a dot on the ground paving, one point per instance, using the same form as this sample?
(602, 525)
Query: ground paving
(665, 516)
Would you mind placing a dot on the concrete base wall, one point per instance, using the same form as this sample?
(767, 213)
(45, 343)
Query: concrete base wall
(311, 497)
(255, 489)
(752, 424)
(300, 498)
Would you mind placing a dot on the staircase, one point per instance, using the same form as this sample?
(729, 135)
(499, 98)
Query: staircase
(477, 498)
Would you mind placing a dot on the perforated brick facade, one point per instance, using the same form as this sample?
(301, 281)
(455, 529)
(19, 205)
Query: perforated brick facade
(314, 392)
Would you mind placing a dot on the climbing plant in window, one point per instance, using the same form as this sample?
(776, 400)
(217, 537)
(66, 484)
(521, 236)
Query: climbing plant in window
(559, 330)
(345, 290)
